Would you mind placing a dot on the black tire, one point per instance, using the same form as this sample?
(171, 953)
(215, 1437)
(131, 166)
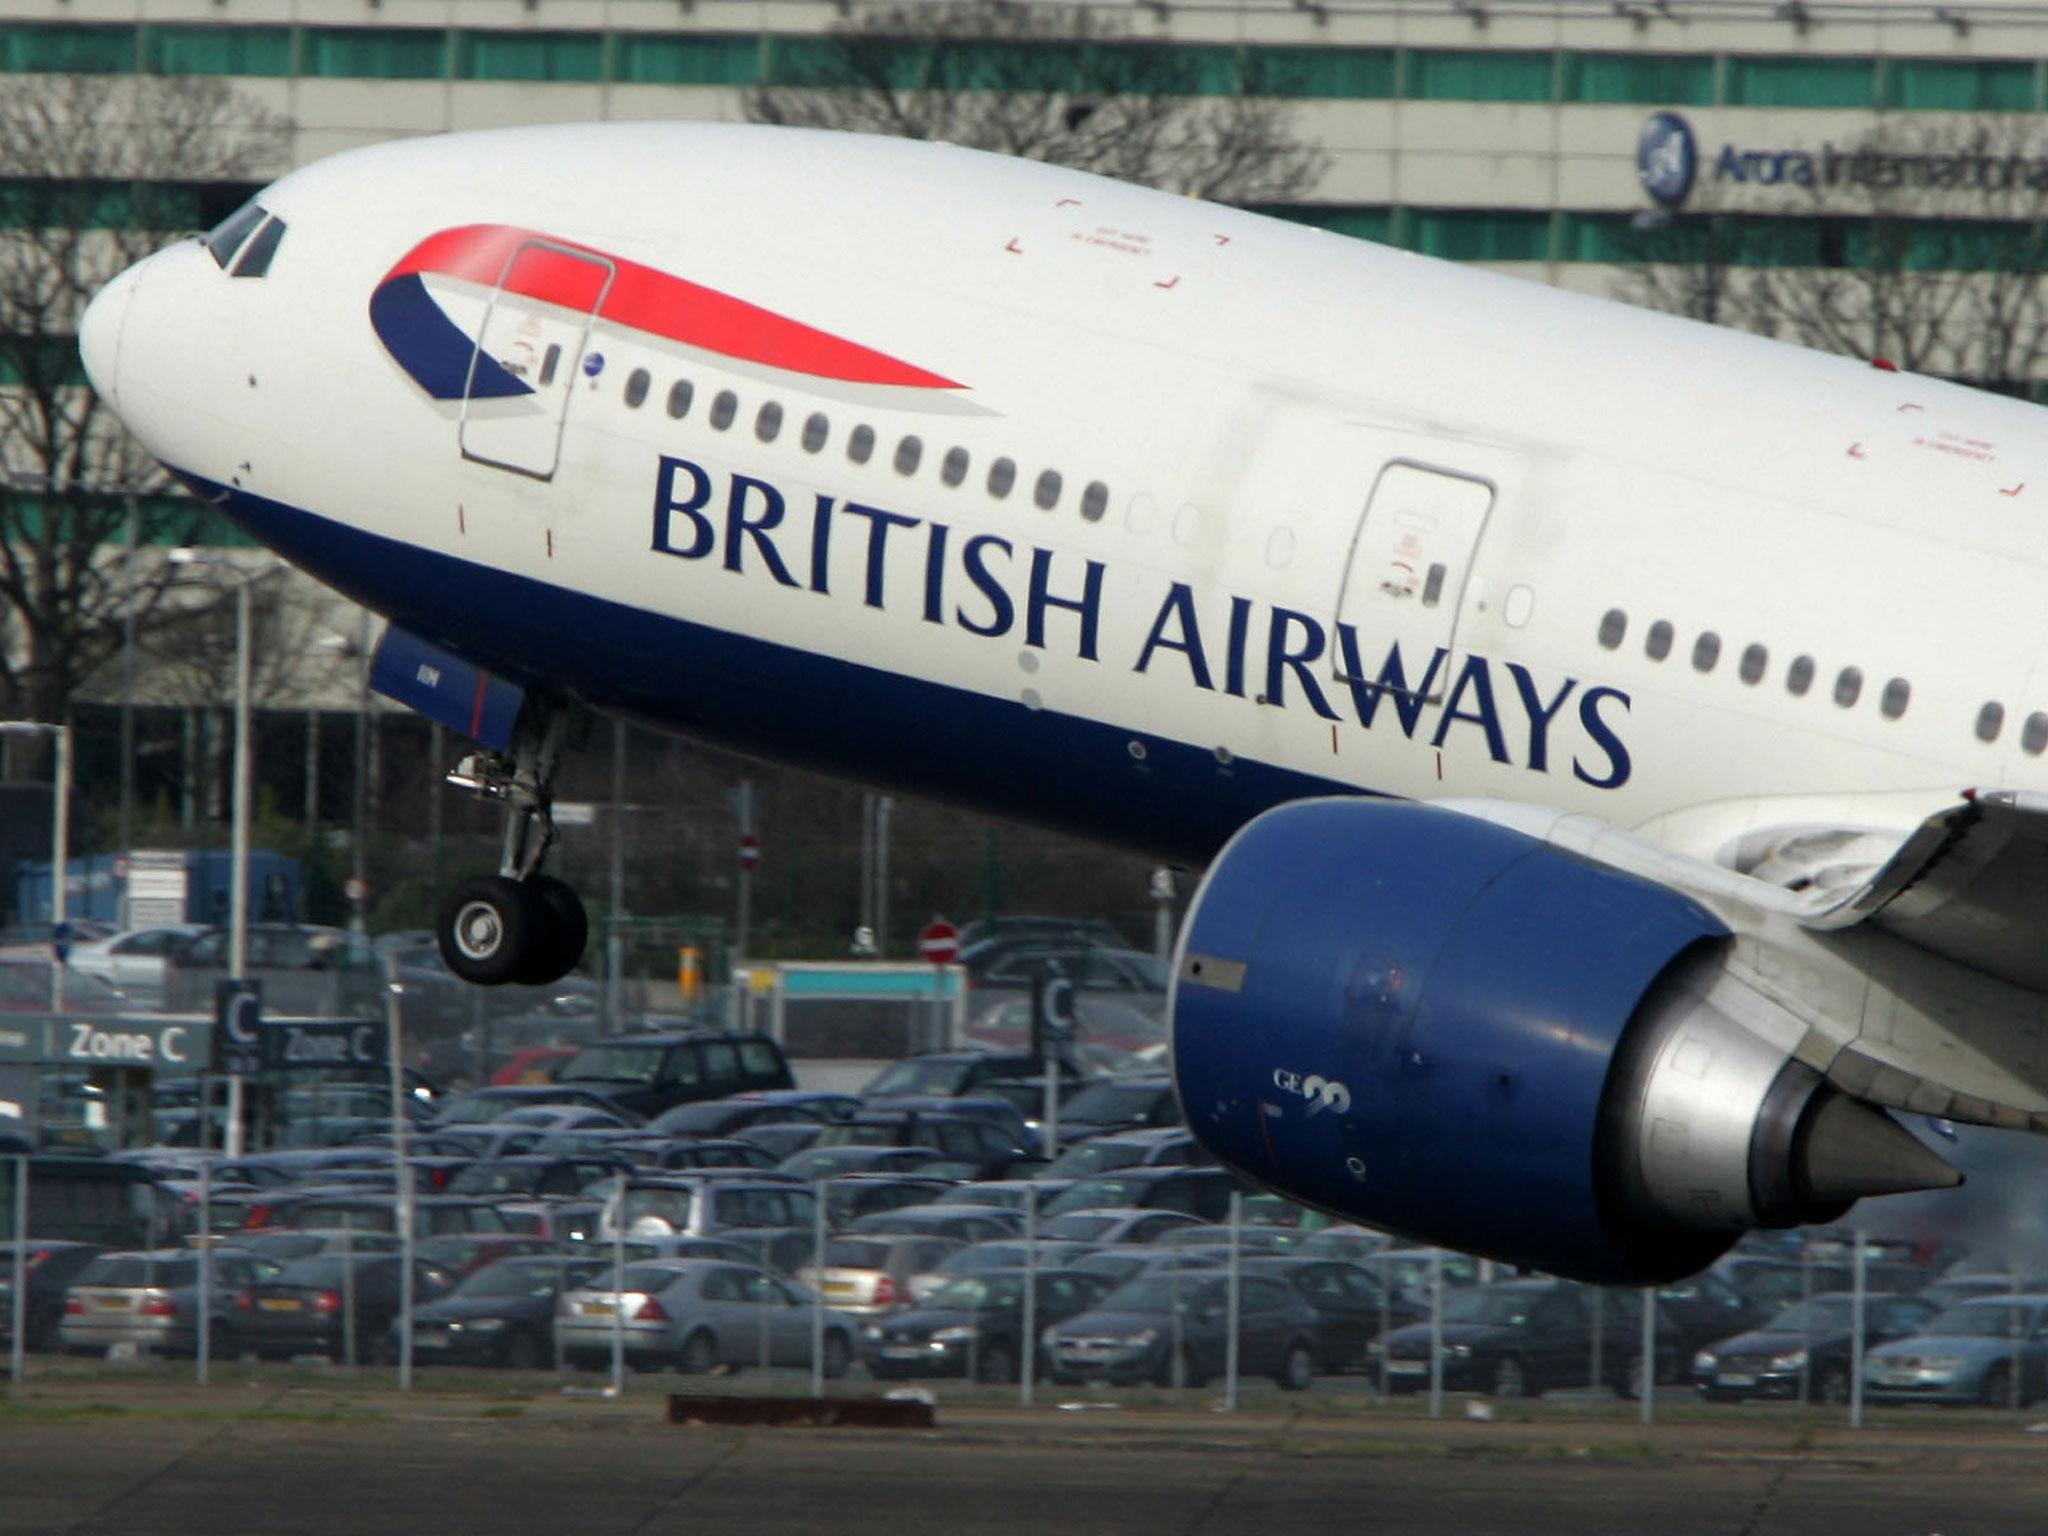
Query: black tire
(383, 1348)
(838, 1356)
(1995, 1391)
(997, 1364)
(1297, 1371)
(1509, 1378)
(562, 932)
(522, 1351)
(1831, 1386)
(698, 1354)
(220, 1341)
(487, 930)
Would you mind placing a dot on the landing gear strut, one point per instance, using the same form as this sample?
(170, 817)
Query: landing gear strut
(518, 925)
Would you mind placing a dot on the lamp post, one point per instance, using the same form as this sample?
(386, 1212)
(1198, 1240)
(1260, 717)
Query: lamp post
(238, 847)
(60, 839)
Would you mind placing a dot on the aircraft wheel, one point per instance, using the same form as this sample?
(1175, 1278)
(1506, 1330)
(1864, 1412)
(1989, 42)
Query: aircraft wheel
(488, 930)
(560, 935)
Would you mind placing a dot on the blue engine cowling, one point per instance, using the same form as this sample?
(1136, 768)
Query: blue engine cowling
(1412, 1018)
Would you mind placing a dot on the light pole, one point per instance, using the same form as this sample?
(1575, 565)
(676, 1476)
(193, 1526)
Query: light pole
(60, 839)
(238, 854)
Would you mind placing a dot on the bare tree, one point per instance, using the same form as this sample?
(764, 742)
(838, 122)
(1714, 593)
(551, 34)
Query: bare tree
(1051, 82)
(1933, 238)
(94, 174)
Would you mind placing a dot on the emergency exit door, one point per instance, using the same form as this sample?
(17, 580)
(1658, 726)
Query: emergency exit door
(1411, 561)
(529, 354)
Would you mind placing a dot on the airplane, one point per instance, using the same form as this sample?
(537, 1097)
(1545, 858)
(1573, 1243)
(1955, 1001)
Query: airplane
(1615, 744)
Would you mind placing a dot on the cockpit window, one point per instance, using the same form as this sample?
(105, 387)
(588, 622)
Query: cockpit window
(256, 255)
(228, 235)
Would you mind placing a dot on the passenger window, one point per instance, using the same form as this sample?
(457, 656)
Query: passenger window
(721, 1064)
(1848, 686)
(860, 444)
(724, 406)
(1755, 662)
(909, 454)
(1047, 492)
(1898, 693)
(637, 383)
(816, 430)
(1613, 628)
(679, 396)
(682, 1066)
(768, 422)
(1990, 721)
(550, 361)
(1706, 651)
(1002, 477)
(1799, 676)
(1657, 643)
(1094, 501)
(954, 469)
(1433, 585)
(2034, 734)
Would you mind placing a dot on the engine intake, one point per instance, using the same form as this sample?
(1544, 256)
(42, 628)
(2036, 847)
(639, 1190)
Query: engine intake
(1445, 1028)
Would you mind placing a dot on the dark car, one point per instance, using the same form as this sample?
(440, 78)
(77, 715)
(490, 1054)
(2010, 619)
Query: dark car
(835, 1162)
(1804, 1350)
(306, 1307)
(849, 1196)
(982, 1148)
(948, 1074)
(650, 1073)
(502, 1315)
(1351, 1309)
(1162, 1146)
(481, 1106)
(1203, 1192)
(722, 1117)
(1521, 1338)
(1127, 1102)
(1172, 1328)
(531, 1174)
(49, 1267)
(711, 1152)
(974, 1327)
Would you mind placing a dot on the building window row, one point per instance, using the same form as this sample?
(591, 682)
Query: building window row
(1192, 69)
(1754, 662)
(906, 457)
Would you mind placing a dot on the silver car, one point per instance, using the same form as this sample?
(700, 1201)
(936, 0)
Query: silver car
(693, 1314)
(149, 1301)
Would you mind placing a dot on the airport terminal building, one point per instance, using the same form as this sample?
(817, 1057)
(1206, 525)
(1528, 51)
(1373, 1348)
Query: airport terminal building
(1510, 132)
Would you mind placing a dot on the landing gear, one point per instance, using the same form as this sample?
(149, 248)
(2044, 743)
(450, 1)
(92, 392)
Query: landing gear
(518, 925)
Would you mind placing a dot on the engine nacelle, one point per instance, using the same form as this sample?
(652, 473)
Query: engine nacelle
(1445, 1028)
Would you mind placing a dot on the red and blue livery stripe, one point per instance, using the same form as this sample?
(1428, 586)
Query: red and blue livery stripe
(448, 365)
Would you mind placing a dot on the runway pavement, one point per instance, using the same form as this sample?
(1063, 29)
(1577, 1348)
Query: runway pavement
(313, 1456)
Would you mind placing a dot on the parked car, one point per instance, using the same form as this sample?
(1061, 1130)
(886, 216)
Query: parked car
(1203, 1192)
(724, 1116)
(650, 1073)
(689, 1315)
(959, 1223)
(1171, 1328)
(132, 962)
(974, 1327)
(48, 1268)
(501, 1315)
(1125, 1262)
(310, 1306)
(1968, 1353)
(979, 1258)
(149, 1301)
(1127, 1102)
(1522, 1338)
(1804, 1350)
(849, 1196)
(1154, 1146)
(1100, 1226)
(869, 1273)
(533, 1174)
(948, 1074)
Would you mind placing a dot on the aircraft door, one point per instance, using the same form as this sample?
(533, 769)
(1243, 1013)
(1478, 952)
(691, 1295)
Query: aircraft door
(1411, 560)
(529, 354)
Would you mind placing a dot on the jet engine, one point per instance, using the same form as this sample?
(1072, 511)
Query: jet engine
(1447, 1029)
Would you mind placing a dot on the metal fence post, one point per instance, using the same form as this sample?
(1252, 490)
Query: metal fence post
(619, 1285)
(1594, 1364)
(1233, 1301)
(2016, 1365)
(1027, 1343)
(348, 1290)
(1436, 1332)
(1856, 1337)
(818, 1295)
(761, 1331)
(1646, 1386)
(17, 1354)
(202, 1343)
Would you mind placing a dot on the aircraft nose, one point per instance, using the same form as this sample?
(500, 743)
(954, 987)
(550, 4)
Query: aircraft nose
(99, 333)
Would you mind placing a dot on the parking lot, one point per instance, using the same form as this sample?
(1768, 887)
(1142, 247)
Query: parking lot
(89, 1450)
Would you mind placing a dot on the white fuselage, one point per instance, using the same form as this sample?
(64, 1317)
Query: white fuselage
(1312, 454)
